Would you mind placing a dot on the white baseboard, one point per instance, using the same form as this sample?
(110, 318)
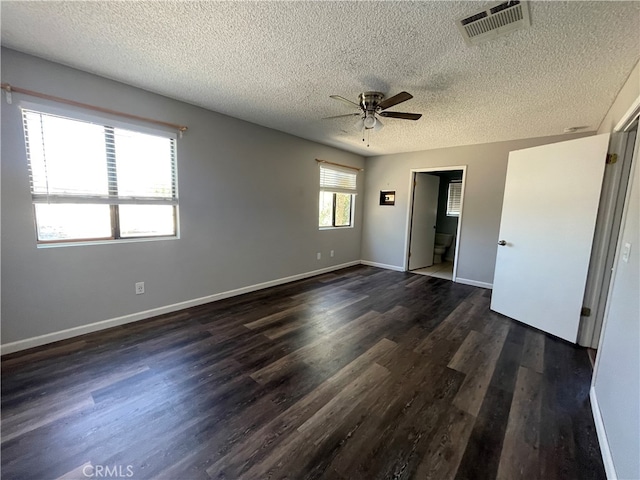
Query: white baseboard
(134, 317)
(607, 459)
(382, 265)
(474, 283)
(465, 281)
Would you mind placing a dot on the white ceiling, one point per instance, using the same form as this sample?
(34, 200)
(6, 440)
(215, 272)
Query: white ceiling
(276, 63)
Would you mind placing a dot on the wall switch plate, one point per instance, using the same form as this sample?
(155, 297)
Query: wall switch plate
(626, 251)
(139, 288)
(332, 253)
(319, 255)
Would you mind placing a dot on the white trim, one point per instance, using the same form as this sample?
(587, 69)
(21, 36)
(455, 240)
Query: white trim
(607, 459)
(383, 265)
(474, 283)
(464, 281)
(134, 317)
(628, 118)
(322, 229)
(89, 243)
(608, 226)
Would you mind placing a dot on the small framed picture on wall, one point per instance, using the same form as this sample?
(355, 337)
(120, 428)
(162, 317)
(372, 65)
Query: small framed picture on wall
(387, 197)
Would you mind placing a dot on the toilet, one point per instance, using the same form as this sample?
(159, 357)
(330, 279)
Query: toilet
(442, 242)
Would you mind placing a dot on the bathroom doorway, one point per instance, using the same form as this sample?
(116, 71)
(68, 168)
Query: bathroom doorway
(433, 226)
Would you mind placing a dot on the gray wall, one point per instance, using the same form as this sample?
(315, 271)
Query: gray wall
(248, 213)
(384, 230)
(617, 377)
(616, 380)
(444, 223)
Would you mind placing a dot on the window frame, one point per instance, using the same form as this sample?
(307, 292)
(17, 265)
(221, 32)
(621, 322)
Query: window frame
(448, 211)
(109, 123)
(335, 191)
(333, 211)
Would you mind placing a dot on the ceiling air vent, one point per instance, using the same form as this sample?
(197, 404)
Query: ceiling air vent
(494, 22)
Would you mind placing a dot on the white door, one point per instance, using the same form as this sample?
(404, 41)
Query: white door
(548, 219)
(423, 220)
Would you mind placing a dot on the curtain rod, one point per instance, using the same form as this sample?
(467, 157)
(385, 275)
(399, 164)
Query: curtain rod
(10, 89)
(340, 165)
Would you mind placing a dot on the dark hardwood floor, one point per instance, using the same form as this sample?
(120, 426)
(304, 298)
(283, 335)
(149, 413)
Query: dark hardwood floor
(358, 374)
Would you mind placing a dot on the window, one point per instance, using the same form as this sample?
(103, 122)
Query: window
(337, 194)
(91, 181)
(453, 199)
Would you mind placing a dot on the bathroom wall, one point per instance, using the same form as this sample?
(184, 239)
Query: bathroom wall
(444, 223)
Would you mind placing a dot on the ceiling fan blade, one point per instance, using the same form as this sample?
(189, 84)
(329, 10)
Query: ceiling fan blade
(396, 99)
(405, 116)
(340, 116)
(342, 99)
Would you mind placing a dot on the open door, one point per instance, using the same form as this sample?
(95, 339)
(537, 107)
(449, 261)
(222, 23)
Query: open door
(548, 219)
(423, 220)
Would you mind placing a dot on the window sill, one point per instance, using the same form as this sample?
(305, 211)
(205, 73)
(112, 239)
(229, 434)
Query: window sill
(105, 242)
(335, 228)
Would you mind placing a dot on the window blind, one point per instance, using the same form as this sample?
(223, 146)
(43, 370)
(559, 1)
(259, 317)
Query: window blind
(337, 180)
(76, 161)
(454, 198)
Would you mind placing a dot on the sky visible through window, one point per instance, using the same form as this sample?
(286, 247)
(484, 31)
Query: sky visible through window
(70, 168)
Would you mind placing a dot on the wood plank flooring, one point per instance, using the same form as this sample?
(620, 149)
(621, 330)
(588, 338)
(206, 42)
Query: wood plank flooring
(359, 374)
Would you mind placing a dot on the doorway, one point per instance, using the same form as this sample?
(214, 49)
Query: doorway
(608, 224)
(434, 220)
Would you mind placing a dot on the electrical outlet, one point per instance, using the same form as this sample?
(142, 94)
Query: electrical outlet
(139, 288)
(331, 253)
(319, 255)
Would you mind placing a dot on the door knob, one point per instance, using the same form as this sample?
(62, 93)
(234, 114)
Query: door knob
(502, 243)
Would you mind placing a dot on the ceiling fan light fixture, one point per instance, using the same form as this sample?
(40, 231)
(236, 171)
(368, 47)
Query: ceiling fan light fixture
(369, 121)
(372, 106)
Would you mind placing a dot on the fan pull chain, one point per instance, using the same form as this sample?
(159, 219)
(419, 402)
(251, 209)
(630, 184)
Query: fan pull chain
(368, 134)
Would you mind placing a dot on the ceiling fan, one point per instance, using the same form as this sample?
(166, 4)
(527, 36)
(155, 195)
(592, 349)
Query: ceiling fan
(373, 105)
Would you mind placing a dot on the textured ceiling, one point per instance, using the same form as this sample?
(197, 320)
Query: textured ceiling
(276, 63)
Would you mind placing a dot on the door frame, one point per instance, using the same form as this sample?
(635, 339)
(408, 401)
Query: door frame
(599, 276)
(407, 240)
(608, 225)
